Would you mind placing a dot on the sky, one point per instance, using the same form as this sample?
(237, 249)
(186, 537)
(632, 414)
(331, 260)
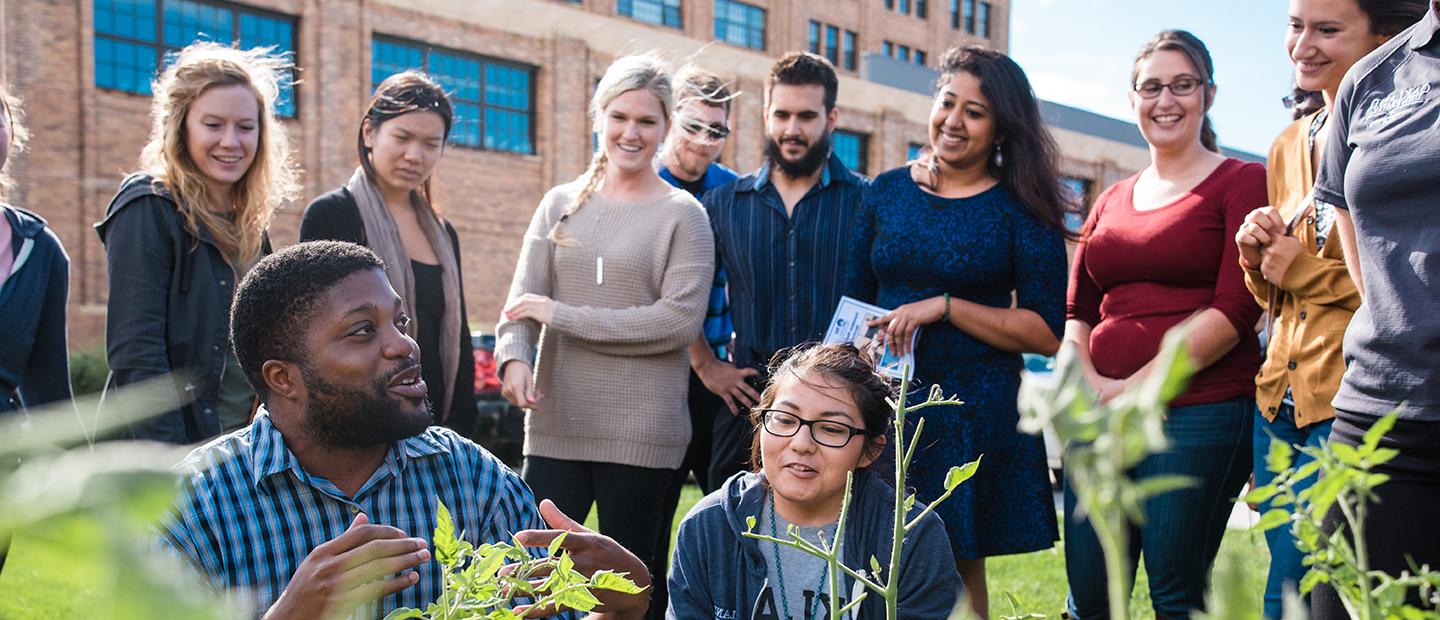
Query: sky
(1080, 53)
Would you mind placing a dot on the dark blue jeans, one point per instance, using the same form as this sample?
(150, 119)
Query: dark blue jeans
(1286, 571)
(1210, 444)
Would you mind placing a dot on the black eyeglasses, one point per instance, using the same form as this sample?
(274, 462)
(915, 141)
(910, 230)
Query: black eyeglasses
(1181, 86)
(825, 432)
(715, 131)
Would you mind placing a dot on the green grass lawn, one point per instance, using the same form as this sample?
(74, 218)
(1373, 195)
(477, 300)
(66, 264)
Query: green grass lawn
(40, 582)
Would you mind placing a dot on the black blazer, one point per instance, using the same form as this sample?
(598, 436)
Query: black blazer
(335, 216)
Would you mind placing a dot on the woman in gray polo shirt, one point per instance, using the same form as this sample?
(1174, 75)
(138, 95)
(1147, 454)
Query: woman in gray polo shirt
(1378, 170)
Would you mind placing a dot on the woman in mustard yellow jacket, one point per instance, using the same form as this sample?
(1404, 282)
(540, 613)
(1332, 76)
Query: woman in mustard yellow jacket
(1293, 260)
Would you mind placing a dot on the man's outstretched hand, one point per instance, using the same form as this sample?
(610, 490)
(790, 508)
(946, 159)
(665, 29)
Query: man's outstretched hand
(591, 552)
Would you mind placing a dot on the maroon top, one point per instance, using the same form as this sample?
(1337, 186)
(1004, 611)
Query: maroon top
(1138, 273)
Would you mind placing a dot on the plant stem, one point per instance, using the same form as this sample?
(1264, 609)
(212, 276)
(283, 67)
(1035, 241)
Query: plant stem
(902, 464)
(1355, 520)
(834, 559)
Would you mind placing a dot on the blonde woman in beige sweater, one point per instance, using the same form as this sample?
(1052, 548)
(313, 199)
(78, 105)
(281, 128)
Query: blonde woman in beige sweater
(610, 288)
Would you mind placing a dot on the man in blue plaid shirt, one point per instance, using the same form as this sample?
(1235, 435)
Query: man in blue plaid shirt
(324, 506)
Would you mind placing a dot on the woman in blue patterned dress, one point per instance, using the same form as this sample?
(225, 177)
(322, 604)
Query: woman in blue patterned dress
(949, 242)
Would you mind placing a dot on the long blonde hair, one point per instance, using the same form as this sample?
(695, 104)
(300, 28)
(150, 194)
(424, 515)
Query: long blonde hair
(19, 136)
(635, 72)
(273, 177)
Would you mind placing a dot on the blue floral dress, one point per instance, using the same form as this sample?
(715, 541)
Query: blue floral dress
(910, 245)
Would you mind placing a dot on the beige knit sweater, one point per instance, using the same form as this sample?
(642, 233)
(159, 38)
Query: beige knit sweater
(612, 368)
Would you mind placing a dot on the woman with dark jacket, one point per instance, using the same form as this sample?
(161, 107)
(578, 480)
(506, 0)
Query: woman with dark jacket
(387, 206)
(181, 233)
(824, 416)
(34, 285)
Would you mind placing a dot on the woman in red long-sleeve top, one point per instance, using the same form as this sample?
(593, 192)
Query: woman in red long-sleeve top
(1157, 250)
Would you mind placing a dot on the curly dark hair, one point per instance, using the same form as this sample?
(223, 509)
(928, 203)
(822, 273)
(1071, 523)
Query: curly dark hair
(844, 365)
(1032, 174)
(276, 300)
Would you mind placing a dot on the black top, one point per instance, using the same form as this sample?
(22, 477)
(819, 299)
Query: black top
(335, 215)
(429, 315)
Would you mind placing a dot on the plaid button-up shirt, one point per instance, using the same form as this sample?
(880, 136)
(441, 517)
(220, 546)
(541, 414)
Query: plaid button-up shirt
(249, 514)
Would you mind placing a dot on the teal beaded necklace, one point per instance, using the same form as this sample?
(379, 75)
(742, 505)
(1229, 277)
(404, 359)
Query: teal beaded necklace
(780, 571)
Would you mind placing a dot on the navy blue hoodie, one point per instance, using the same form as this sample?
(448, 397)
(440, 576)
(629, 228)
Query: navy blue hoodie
(34, 369)
(718, 573)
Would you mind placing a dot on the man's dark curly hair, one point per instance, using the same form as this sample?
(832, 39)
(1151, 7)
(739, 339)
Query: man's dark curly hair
(276, 299)
(804, 69)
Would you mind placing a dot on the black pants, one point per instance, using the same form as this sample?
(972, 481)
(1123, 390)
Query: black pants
(730, 439)
(1400, 524)
(630, 502)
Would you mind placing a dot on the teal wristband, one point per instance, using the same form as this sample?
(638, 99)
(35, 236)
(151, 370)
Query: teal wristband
(946, 318)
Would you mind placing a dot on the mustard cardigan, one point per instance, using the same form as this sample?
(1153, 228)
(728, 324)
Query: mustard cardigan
(1315, 298)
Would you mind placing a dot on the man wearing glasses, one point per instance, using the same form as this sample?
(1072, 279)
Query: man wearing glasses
(688, 161)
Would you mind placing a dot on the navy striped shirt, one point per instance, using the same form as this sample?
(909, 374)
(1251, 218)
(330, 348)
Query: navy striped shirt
(249, 513)
(786, 272)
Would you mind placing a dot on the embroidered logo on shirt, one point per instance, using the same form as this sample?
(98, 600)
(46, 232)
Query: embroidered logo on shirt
(1384, 108)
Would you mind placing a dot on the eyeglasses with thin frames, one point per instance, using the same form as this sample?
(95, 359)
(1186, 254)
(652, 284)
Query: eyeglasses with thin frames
(827, 433)
(1179, 87)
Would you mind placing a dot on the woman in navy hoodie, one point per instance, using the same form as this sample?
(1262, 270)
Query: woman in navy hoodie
(34, 285)
(823, 415)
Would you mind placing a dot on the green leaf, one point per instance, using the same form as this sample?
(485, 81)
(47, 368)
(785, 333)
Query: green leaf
(1272, 519)
(1156, 485)
(1346, 454)
(1280, 457)
(404, 613)
(614, 582)
(1379, 429)
(909, 502)
(874, 568)
(577, 598)
(447, 548)
(555, 544)
(750, 524)
(962, 473)
(1261, 494)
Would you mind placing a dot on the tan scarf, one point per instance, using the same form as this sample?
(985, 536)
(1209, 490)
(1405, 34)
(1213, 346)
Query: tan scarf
(383, 237)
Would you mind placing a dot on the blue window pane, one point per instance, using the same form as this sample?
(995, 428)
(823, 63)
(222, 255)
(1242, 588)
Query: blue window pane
(459, 76)
(465, 129)
(661, 12)
(132, 19)
(913, 151)
(124, 66)
(741, 24)
(850, 148)
(387, 59)
(264, 31)
(832, 44)
(507, 87)
(187, 22)
(507, 131)
(814, 37)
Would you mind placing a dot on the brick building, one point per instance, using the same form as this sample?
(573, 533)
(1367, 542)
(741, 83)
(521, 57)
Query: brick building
(520, 71)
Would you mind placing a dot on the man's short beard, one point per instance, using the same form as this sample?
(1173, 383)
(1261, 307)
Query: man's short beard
(808, 163)
(347, 417)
